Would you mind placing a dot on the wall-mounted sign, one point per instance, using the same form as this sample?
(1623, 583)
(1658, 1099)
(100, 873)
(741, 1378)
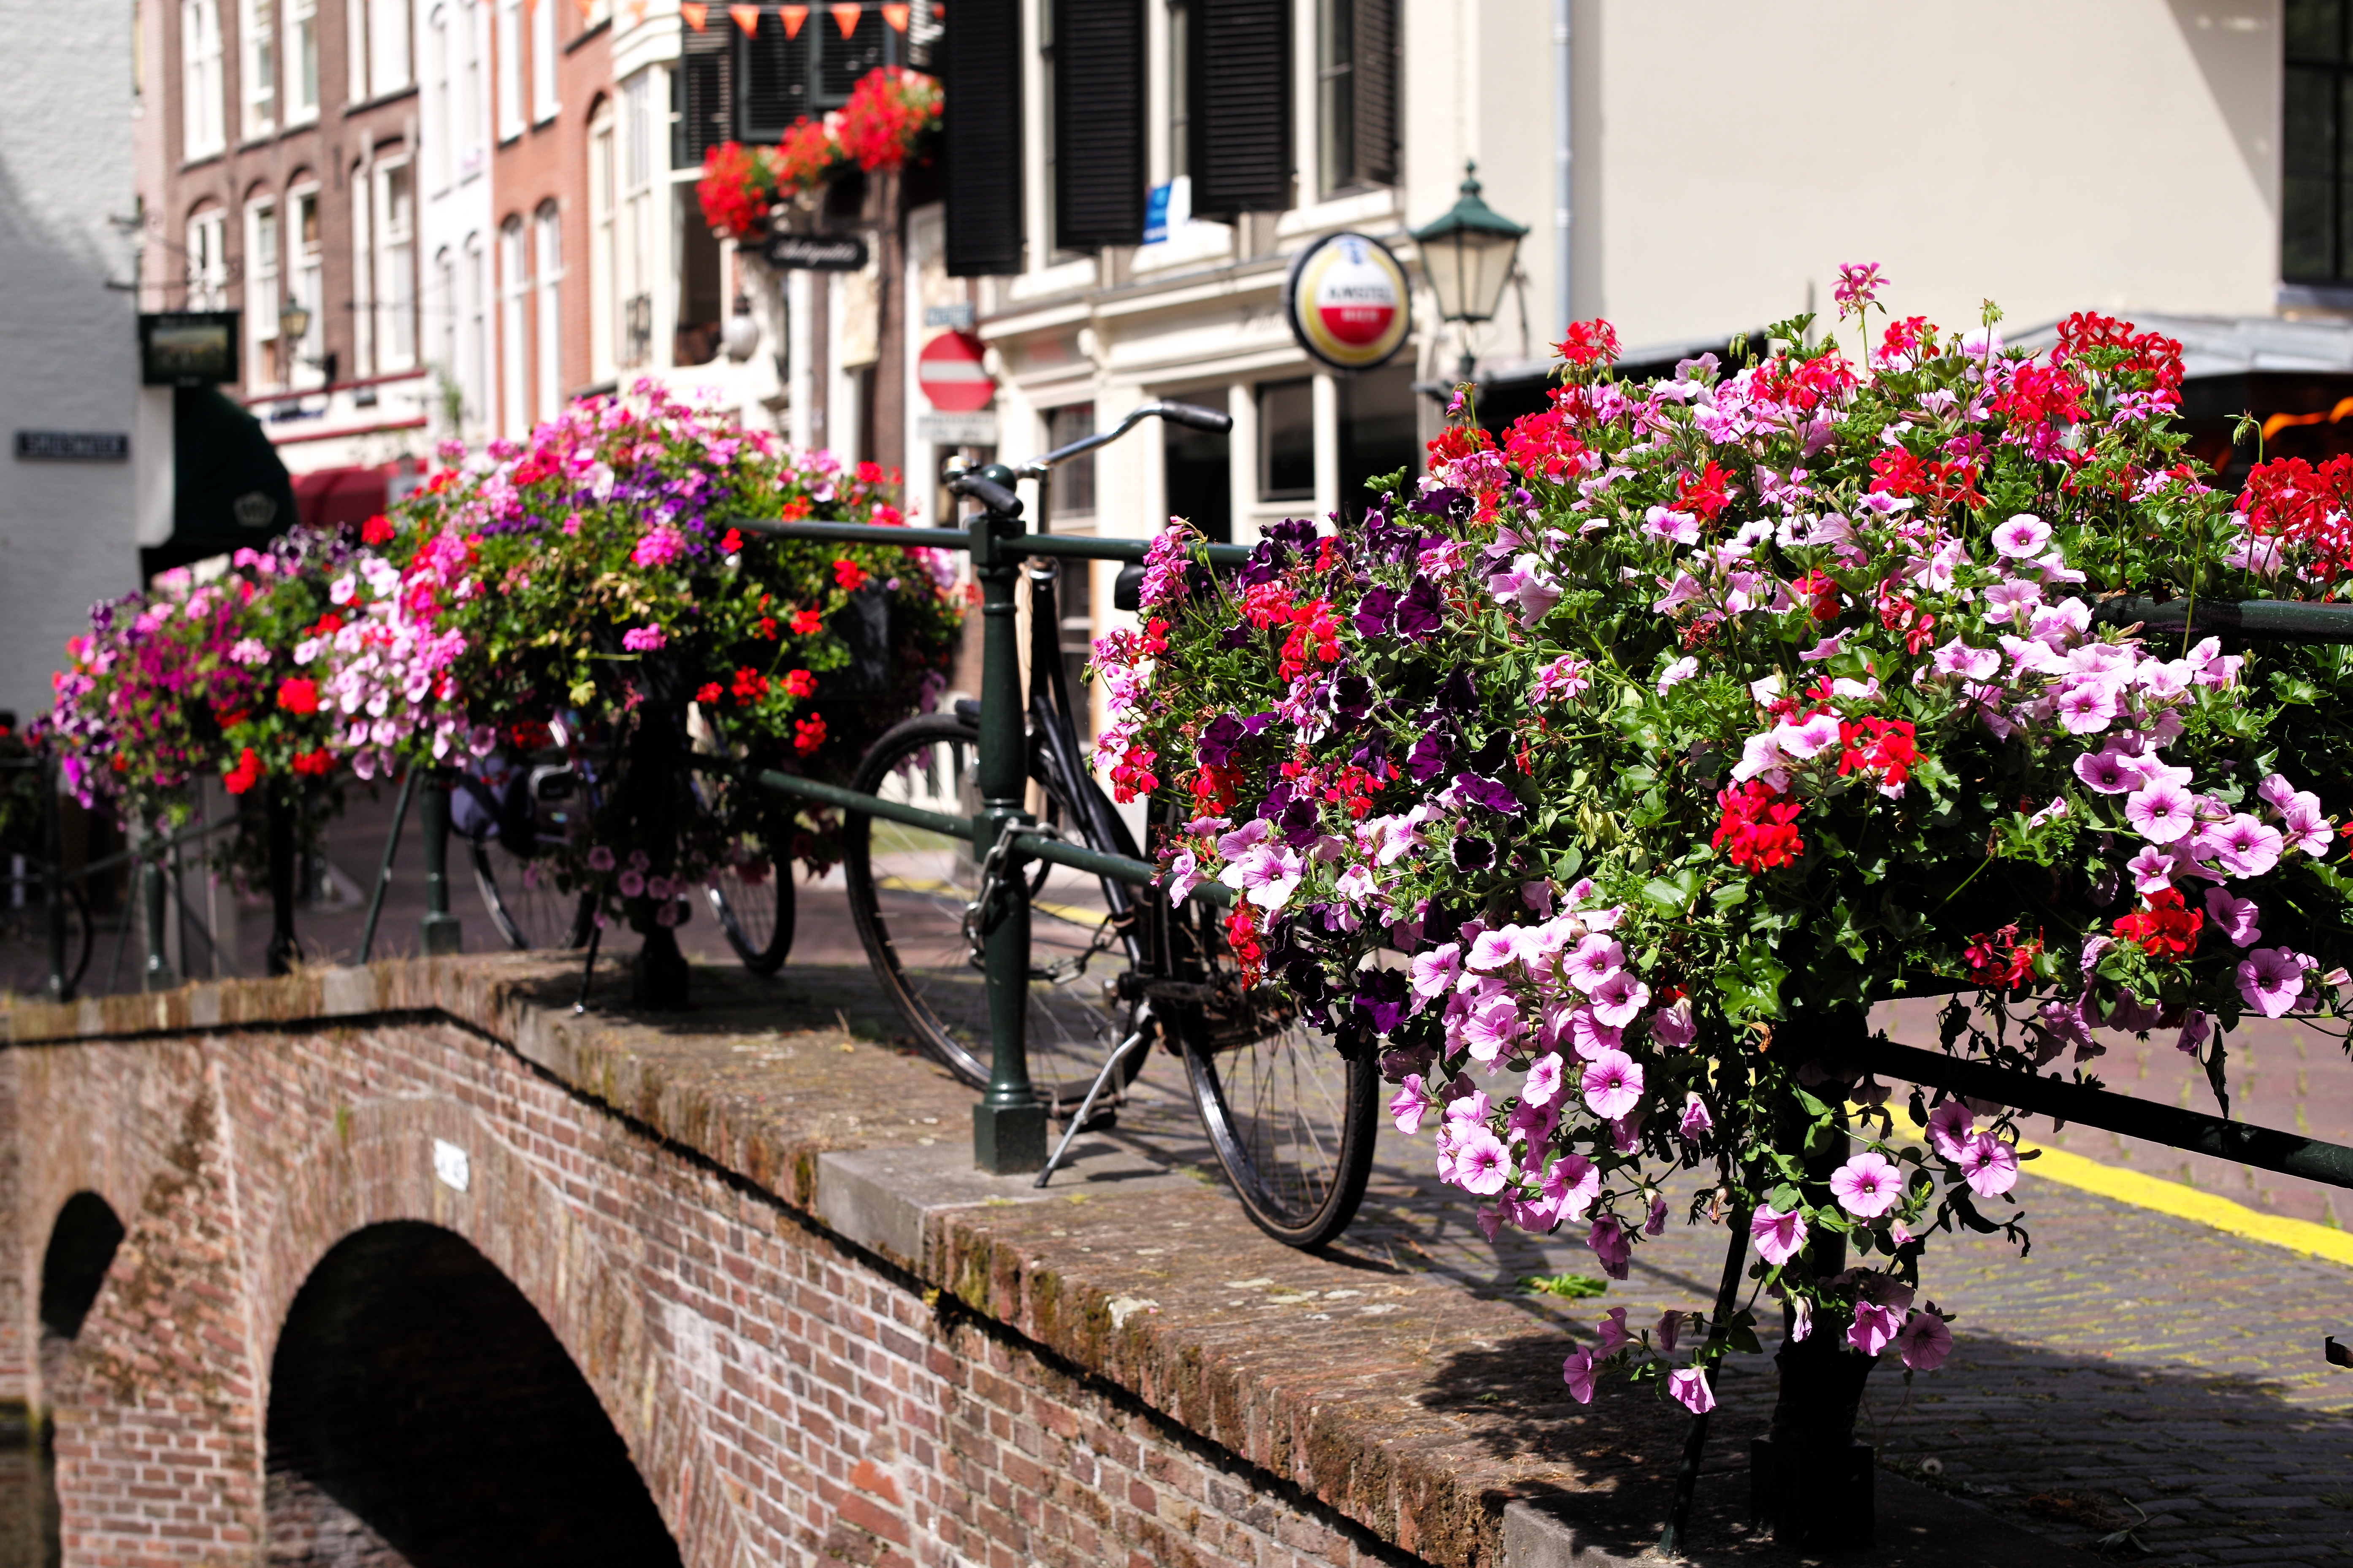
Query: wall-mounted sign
(72, 446)
(1346, 301)
(188, 348)
(950, 371)
(814, 252)
(956, 429)
(957, 315)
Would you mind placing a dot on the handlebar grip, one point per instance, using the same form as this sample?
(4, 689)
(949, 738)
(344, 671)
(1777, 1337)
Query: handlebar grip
(993, 496)
(1195, 417)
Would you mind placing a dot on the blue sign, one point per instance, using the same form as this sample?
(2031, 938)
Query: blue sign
(1156, 215)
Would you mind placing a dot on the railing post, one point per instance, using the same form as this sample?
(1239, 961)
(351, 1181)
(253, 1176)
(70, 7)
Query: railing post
(53, 885)
(438, 932)
(1008, 1125)
(284, 950)
(155, 896)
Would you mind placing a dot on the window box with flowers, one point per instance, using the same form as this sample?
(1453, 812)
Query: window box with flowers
(891, 119)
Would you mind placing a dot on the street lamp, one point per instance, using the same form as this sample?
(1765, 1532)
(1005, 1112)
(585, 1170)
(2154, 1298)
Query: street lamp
(1468, 254)
(293, 320)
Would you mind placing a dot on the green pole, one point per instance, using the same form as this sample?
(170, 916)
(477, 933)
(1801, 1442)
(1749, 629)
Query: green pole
(438, 932)
(1008, 1125)
(283, 949)
(153, 896)
(384, 872)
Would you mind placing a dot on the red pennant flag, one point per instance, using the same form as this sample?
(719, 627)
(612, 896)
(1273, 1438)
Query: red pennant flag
(896, 14)
(696, 15)
(792, 16)
(846, 17)
(746, 17)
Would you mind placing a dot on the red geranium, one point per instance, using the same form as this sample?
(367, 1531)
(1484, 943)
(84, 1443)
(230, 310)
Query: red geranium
(889, 111)
(1756, 832)
(2162, 927)
(299, 695)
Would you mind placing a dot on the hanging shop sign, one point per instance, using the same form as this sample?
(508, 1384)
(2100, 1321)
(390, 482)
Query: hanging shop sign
(187, 348)
(814, 252)
(1346, 301)
(951, 375)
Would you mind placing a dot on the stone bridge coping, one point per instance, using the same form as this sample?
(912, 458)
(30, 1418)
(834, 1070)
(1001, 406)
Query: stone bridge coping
(1429, 1418)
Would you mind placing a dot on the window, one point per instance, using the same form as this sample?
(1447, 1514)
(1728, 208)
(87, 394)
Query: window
(514, 291)
(474, 374)
(1074, 482)
(208, 261)
(1180, 89)
(633, 284)
(388, 64)
(261, 301)
(200, 85)
(442, 307)
(1355, 93)
(1379, 431)
(751, 87)
(256, 25)
(1198, 476)
(469, 87)
(355, 50)
(2316, 159)
(604, 259)
(510, 69)
(548, 239)
(396, 287)
(302, 62)
(309, 258)
(1286, 441)
(542, 61)
(436, 64)
(363, 274)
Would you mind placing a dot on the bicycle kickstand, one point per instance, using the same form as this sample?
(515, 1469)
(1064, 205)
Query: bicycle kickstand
(1110, 1064)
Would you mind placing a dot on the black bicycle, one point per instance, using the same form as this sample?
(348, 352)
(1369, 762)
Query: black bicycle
(514, 812)
(1291, 1117)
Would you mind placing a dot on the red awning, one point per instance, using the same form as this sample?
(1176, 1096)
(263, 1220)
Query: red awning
(329, 498)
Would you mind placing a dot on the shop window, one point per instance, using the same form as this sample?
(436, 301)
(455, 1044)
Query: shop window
(1075, 481)
(1286, 441)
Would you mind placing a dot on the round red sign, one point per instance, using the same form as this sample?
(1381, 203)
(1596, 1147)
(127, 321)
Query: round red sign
(951, 374)
(1346, 300)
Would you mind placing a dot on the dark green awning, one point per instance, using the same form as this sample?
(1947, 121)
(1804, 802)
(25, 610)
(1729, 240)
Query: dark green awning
(229, 489)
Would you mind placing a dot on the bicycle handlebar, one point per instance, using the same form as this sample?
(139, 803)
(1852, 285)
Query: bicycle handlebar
(1190, 415)
(993, 496)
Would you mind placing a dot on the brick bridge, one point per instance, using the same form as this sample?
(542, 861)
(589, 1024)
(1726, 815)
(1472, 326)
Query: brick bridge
(408, 1264)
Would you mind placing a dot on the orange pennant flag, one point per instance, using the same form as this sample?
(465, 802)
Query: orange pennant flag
(846, 17)
(587, 10)
(792, 16)
(696, 15)
(746, 17)
(896, 14)
(636, 11)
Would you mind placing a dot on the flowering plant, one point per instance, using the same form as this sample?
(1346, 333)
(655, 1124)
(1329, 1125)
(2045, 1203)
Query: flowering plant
(890, 114)
(593, 581)
(1605, 776)
(196, 678)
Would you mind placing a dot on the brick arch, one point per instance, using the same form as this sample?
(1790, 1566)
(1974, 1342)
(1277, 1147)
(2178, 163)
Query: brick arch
(377, 1165)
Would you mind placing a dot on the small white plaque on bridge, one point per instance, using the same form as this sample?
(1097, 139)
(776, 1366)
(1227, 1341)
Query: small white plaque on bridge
(450, 1165)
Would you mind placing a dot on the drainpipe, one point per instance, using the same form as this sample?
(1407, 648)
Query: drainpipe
(1563, 211)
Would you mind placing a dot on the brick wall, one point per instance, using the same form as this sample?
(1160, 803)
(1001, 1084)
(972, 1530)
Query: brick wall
(784, 1397)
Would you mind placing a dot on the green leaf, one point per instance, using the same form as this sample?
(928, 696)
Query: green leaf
(1750, 987)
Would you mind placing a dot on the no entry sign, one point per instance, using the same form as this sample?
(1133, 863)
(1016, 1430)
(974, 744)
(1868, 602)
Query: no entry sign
(949, 371)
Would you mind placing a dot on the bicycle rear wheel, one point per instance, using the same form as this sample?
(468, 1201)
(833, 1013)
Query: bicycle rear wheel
(523, 901)
(1291, 1119)
(908, 889)
(754, 905)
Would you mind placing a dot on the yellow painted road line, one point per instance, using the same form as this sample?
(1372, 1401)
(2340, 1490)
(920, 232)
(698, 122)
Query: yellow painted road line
(2155, 1193)
(935, 888)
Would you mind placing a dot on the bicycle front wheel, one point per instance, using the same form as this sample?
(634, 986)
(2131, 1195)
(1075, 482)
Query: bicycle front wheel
(754, 905)
(1291, 1119)
(519, 894)
(908, 891)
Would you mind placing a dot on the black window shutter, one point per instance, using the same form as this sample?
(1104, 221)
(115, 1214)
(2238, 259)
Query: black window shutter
(772, 72)
(1244, 120)
(1098, 123)
(709, 112)
(981, 138)
(1375, 70)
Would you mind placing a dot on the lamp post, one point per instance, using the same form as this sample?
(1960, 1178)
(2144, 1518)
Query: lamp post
(1468, 254)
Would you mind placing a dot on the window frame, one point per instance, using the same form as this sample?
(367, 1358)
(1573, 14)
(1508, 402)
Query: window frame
(256, 26)
(206, 274)
(393, 288)
(301, 64)
(392, 47)
(514, 293)
(1267, 491)
(508, 84)
(547, 310)
(204, 131)
(261, 292)
(307, 264)
(545, 102)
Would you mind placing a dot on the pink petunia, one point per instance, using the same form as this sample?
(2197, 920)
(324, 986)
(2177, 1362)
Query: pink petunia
(1542, 1084)
(2162, 813)
(1695, 1120)
(1611, 1333)
(1572, 1186)
(1989, 1165)
(2108, 771)
(1492, 1027)
(1610, 1247)
(2087, 708)
(2234, 918)
(1690, 1389)
(1778, 1237)
(1950, 1127)
(2270, 980)
(1577, 1373)
(1482, 1163)
(2153, 869)
(2251, 846)
(1619, 999)
(1924, 1342)
(1874, 1327)
(1613, 1085)
(2023, 536)
(1408, 1105)
(1673, 1027)
(1867, 1186)
(1593, 961)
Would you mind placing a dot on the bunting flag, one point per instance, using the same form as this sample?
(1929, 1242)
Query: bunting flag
(746, 17)
(588, 11)
(846, 17)
(792, 16)
(896, 14)
(636, 11)
(697, 16)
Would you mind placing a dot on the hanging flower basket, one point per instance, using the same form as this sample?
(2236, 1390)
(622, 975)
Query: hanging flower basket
(892, 115)
(1607, 774)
